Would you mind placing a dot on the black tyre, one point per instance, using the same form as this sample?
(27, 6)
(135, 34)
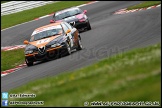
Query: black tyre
(80, 47)
(89, 26)
(29, 63)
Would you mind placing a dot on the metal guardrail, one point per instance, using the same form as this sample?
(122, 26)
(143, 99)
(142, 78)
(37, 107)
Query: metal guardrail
(17, 6)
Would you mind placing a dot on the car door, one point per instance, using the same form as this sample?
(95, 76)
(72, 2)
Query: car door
(69, 35)
(74, 33)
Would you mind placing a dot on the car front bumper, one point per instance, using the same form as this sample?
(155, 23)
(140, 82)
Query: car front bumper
(81, 25)
(48, 54)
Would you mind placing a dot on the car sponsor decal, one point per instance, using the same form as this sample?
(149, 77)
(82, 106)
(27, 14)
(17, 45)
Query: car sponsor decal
(43, 41)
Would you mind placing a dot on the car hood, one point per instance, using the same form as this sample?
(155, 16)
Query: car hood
(43, 42)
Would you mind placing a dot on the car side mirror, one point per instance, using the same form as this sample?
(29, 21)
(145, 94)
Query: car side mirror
(52, 21)
(68, 31)
(26, 42)
(85, 11)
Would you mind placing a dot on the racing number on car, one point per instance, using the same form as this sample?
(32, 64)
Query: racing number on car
(42, 41)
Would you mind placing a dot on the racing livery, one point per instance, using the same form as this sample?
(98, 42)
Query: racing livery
(51, 41)
(74, 16)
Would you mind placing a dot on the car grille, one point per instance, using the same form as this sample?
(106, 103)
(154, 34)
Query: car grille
(42, 50)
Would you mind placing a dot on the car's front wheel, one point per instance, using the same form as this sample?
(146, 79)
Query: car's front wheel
(80, 47)
(89, 26)
(29, 63)
(68, 49)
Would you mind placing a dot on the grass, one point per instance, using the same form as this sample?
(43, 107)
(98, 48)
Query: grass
(130, 76)
(144, 5)
(10, 59)
(27, 15)
(4, 1)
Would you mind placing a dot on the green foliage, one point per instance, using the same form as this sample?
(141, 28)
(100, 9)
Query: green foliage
(10, 59)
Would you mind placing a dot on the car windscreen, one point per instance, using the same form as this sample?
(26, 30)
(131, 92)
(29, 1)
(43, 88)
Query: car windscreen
(66, 14)
(46, 34)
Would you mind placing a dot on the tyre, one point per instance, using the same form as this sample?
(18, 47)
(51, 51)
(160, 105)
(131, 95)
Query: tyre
(89, 26)
(68, 49)
(29, 63)
(80, 47)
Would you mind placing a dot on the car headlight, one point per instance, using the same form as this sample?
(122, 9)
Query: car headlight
(54, 45)
(29, 52)
(30, 49)
(58, 44)
(84, 18)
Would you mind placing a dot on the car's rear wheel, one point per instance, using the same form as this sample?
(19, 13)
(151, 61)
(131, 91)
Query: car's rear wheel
(89, 26)
(29, 63)
(80, 46)
(65, 51)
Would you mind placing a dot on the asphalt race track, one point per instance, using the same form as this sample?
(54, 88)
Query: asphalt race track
(110, 34)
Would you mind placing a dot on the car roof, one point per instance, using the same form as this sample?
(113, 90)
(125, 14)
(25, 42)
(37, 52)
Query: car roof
(64, 10)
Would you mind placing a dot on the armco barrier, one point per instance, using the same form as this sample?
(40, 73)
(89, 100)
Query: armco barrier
(17, 6)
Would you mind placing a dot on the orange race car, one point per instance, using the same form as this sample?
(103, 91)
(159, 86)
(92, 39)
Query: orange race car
(50, 41)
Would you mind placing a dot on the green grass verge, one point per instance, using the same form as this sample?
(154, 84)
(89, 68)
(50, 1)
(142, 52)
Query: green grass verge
(144, 5)
(10, 59)
(131, 76)
(4, 1)
(27, 15)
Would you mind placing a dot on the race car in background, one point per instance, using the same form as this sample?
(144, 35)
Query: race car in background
(74, 16)
(50, 41)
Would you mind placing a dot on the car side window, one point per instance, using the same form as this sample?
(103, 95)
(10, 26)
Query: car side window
(64, 27)
(68, 25)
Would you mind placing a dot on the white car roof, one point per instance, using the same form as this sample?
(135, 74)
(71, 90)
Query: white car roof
(65, 10)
